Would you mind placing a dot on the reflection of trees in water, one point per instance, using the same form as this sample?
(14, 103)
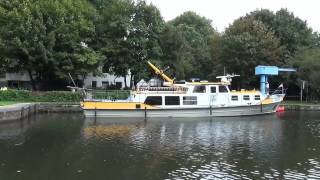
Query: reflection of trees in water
(14, 130)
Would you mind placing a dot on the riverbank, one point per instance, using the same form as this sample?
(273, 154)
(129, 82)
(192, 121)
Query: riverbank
(21, 110)
(18, 111)
(302, 107)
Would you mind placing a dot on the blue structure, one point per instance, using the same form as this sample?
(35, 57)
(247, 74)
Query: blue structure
(265, 71)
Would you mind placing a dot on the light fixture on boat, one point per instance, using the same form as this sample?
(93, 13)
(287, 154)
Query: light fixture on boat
(227, 78)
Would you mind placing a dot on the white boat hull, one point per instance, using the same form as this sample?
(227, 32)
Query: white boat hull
(185, 112)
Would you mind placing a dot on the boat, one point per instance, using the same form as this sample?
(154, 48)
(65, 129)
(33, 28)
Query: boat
(192, 99)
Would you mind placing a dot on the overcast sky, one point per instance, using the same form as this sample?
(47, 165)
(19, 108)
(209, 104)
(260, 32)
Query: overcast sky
(224, 12)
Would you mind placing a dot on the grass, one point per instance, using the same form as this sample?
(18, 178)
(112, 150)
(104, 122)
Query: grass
(4, 103)
(291, 102)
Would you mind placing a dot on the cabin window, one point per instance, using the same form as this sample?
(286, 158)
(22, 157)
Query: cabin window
(190, 100)
(246, 97)
(199, 89)
(234, 98)
(172, 100)
(153, 100)
(213, 89)
(223, 89)
(257, 97)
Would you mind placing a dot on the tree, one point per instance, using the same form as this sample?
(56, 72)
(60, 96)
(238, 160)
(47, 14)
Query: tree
(308, 63)
(248, 43)
(147, 25)
(185, 43)
(127, 34)
(292, 32)
(47, 38)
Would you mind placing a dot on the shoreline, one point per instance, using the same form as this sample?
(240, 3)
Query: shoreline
(21, 110)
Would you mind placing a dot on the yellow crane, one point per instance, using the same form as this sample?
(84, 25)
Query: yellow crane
(160, 72)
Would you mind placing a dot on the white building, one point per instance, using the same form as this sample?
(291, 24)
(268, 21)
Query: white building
(22, 81)
(106, 80)
(15, 80)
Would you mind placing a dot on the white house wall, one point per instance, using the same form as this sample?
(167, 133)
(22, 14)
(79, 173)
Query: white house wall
(111, 79)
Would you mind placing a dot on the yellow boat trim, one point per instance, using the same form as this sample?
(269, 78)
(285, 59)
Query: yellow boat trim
(115, 105)
(267, 101)
(246, 92)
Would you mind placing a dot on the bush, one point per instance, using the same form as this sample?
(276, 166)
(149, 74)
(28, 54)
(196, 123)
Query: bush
(15, 95)
(49, 96)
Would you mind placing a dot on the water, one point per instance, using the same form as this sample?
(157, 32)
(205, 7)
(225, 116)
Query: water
(67, 146)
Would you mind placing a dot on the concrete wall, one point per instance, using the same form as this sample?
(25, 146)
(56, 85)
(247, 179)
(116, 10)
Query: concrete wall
(17, 111)
(22, 110)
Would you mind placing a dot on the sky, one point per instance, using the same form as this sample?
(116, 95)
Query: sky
(224, 12)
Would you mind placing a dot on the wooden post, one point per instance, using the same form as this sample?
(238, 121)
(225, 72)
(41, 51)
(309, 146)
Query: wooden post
(210, 110)
(21, 116)
(145, 113)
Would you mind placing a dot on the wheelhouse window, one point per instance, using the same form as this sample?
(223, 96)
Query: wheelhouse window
(257, 97)
(213, 89)
(234, 98)
(199, 89)
(172, 100)
(223, 89)
(153, 100)
(246, 97)
(189, 100)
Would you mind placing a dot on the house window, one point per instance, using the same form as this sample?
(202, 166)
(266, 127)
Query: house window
(213, 89)
(190, 100)
(105, 84)
(257, 97)
(172, 100)
(153, 100)
(234, 98)
(119, 85)
(199, 89)
(223, 89)
(2, 75)
(246, 97)
(94, 84)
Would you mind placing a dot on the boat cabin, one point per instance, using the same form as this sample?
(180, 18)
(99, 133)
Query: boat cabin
(194, 95)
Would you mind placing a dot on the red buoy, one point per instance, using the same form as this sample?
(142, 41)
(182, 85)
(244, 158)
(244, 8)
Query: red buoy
(280, 108)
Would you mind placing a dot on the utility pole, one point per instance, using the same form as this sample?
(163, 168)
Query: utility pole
(301, 90)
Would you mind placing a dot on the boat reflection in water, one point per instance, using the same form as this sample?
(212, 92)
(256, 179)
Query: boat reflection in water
(234, 147)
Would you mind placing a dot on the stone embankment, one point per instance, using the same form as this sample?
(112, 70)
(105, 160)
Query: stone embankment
(22, 110)
(302, 107)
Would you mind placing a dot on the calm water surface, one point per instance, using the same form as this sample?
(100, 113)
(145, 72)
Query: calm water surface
(68, 146)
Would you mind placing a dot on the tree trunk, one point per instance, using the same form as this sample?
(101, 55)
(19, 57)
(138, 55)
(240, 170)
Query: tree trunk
(33, 83)
(125, 82)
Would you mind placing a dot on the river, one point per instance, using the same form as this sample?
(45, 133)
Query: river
(68, 146)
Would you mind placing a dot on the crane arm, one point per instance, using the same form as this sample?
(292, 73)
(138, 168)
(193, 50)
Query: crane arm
(160, 72)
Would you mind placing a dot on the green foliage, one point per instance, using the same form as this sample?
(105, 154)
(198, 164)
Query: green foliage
(47, 38)
(185, 42)
(127, 35)
(49, 96)
(248, 43)
(308, 63)
(292, 32)
(15, 95)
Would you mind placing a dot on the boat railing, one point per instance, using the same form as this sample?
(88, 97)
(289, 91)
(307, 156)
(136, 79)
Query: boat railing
(107, 94)
(173, 89)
